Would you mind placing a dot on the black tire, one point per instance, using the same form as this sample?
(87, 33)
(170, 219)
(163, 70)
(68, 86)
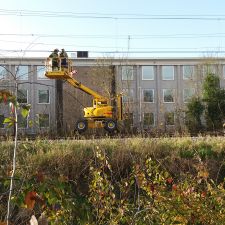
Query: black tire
(110, 125)
(81, 126)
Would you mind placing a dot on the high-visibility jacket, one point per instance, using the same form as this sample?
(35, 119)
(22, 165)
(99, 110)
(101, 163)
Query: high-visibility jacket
(55, 59)
(54, 55)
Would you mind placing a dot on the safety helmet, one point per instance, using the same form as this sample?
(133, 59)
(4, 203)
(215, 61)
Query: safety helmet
(56, 50)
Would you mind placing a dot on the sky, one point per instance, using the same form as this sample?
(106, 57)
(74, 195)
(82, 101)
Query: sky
(118, 28)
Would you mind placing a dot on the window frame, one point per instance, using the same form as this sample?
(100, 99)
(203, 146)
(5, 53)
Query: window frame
(149, 125)
(209, 69)
(5, 77)
(41, 103)
(173, 96)
(192, 75)
(186, 101)
(39, 120)
(168, 66)
(20, 76)
(132, 73)
(166, 113)
(37, 72)
(153, 71)
(26, 96)
(143, 96)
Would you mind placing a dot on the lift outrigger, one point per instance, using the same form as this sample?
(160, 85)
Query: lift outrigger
(101, 114)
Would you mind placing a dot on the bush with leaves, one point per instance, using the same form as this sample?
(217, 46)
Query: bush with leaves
(151, 196)
(212, 105)
(194, 112)
(214, 98)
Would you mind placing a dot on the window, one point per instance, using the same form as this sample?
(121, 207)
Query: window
(167, 73)
(147, 72)
(188, 93)
(168, 95)
(2, 118)
(149, 119)
(3, 72)
(22, 96)
(188, 72)
(127, 73)
(128, 95)
(209, 69)
(41, 72)
(21, 121)
(43, 96)
(21, 72)
(43, 120)
(169, 118)
(148, 95)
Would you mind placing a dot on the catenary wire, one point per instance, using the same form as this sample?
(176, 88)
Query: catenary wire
(203, 17)
(117, 52)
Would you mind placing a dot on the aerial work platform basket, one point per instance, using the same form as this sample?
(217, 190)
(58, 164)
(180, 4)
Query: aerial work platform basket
(60, 72)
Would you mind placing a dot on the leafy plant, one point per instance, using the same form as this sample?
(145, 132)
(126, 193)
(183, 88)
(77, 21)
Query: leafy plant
(194, 112)
(214, 98)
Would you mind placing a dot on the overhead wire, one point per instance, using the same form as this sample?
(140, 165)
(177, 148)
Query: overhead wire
(134, 36)
(121, 16)
(108, 47)
(121, 51)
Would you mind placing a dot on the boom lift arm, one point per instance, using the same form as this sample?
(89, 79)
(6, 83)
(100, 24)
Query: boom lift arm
(85, 89)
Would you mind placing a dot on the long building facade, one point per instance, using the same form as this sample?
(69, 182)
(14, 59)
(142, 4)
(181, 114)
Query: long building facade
(155, 91)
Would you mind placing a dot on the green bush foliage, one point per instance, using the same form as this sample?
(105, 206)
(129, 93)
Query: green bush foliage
(210, 106)
(214, 98)
(193, 115)
(118, 181)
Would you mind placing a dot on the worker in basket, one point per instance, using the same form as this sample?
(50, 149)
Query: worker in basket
(64, 59)
(55, 59)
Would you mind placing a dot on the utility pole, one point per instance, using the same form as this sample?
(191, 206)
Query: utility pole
(128, 45)
(59, 107)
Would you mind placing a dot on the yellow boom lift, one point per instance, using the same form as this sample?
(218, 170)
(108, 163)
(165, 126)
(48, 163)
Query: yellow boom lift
(101, 114)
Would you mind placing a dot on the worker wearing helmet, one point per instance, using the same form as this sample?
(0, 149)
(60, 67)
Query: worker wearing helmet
(55, 59)
(64, 59)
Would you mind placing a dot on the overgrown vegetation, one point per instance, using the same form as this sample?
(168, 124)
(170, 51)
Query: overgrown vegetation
(193, 116)
(117, 181)
(210, 107)
(214, 97)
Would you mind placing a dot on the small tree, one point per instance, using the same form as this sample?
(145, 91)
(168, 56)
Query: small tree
(8, 98)
(214, 98)
(195, 109)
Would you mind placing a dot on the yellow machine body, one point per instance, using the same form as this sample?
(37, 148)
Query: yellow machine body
(98, 110)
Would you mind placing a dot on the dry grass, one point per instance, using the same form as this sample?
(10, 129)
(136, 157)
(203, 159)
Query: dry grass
(72, 157)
